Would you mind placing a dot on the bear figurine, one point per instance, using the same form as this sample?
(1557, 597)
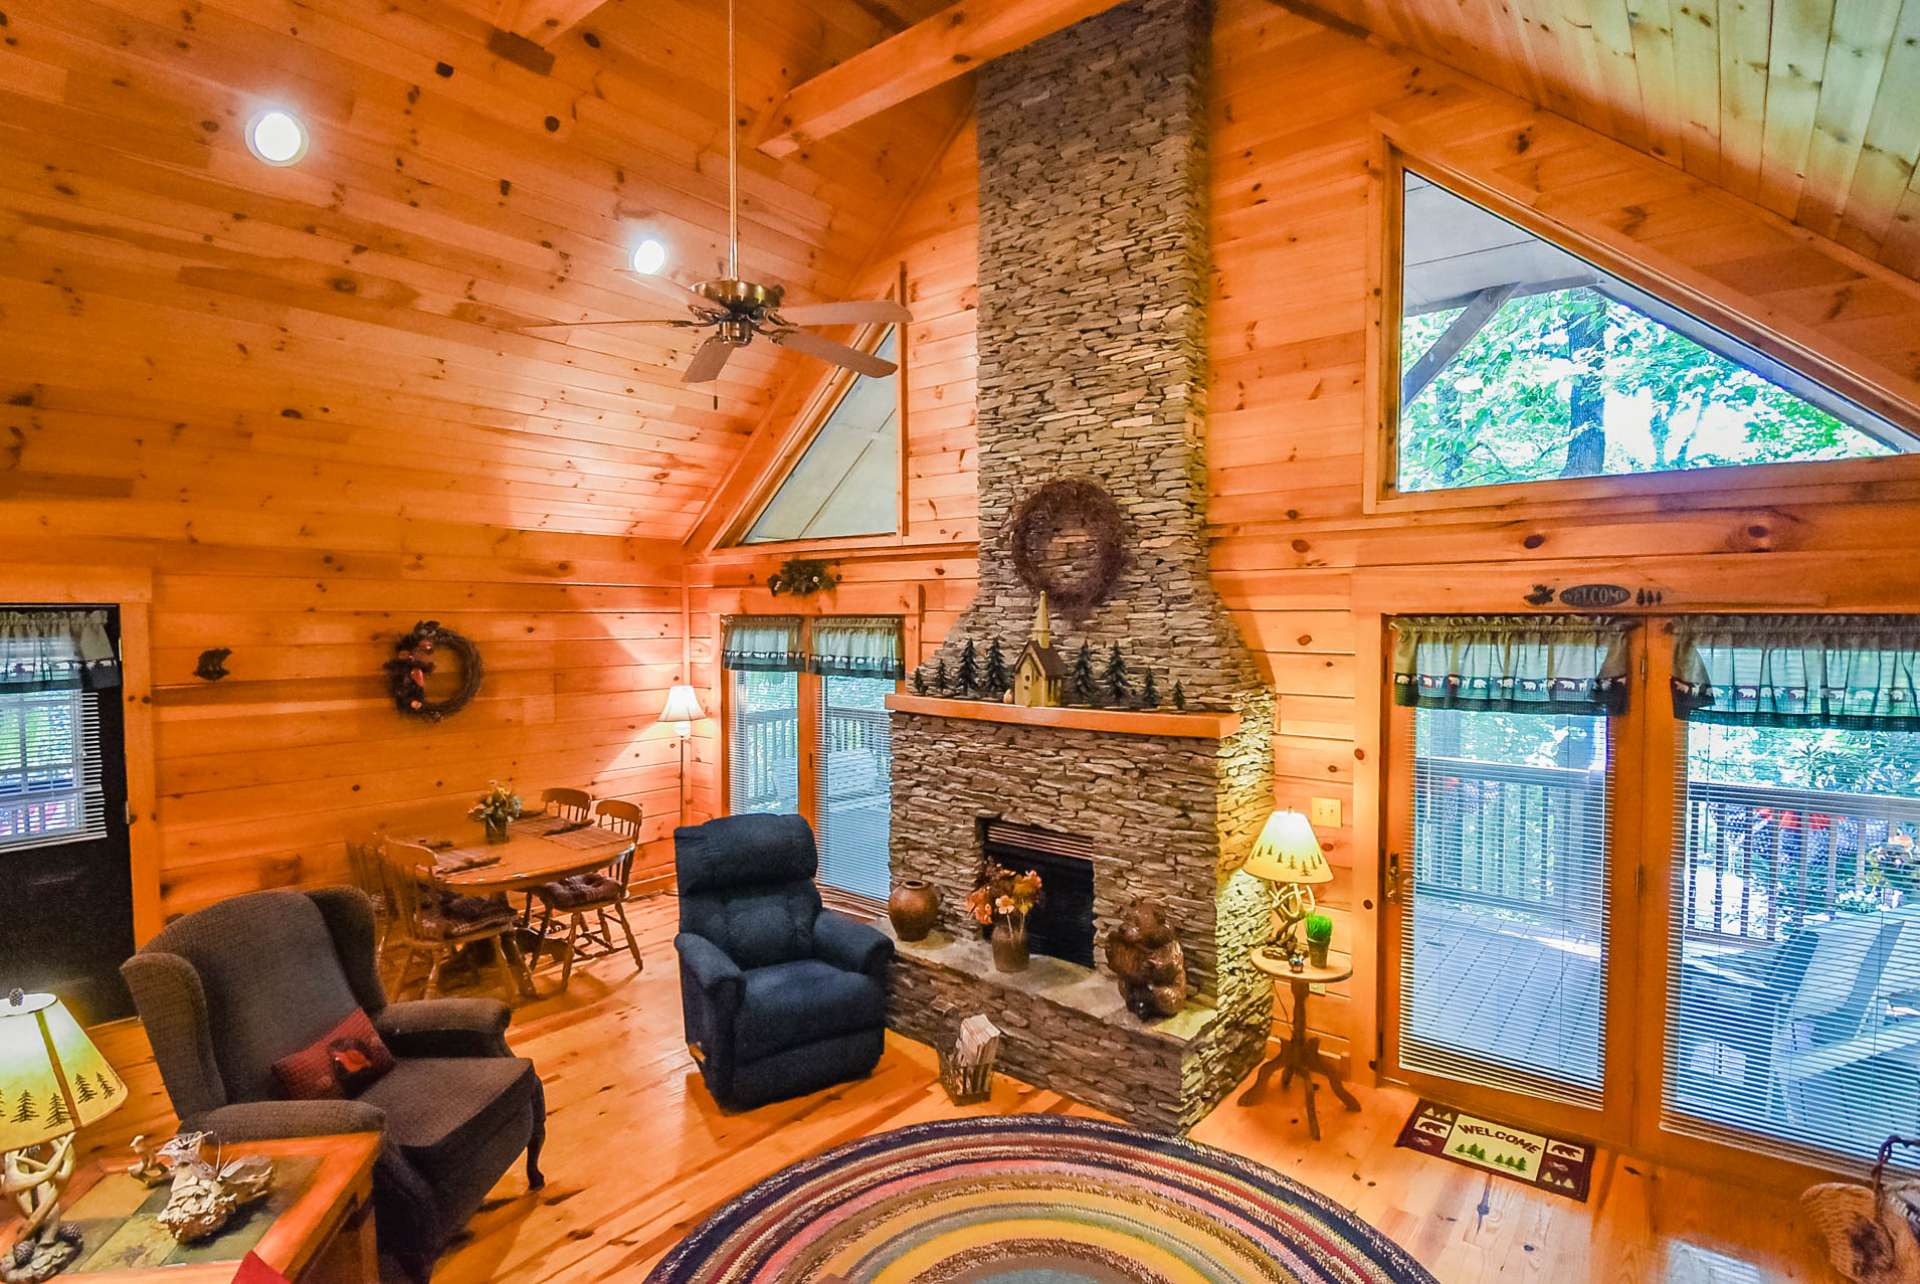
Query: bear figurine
(1144, 953)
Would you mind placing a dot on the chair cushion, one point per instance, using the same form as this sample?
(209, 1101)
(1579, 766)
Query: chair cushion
(441, 1109)
(790, 1004)
(449, 915)
(343, 1062)
(581, 891)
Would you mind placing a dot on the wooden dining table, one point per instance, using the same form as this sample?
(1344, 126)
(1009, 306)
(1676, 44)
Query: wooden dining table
(539, 849)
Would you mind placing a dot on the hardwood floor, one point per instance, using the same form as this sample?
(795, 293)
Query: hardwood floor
(637, 1154)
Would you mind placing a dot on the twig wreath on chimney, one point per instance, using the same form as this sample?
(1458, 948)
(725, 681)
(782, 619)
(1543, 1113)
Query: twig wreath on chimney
(1069, 504)
(414, 658)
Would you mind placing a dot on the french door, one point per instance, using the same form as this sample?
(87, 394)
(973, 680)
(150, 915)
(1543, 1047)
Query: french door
(1691, 935)
(820, 747)
(1509, 871)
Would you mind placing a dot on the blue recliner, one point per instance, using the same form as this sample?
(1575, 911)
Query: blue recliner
(781, 996)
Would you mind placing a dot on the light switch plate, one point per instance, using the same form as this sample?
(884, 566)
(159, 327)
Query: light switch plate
(1325, 813)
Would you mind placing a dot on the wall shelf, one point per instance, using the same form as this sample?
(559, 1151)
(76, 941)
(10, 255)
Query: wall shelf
(1204, 726)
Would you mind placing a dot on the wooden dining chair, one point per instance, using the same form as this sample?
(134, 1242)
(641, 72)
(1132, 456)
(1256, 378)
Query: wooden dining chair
(572, 805)
(595, 894)
(431, 919)
(363, 867)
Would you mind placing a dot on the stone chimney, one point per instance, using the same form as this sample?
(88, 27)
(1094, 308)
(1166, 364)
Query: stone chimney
(1092, 331)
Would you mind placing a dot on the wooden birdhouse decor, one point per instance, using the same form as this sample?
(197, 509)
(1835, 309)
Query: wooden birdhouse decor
(1039, 674)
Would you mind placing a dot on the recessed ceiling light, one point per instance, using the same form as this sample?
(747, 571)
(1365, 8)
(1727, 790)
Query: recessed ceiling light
(649, 257)
(277, 137)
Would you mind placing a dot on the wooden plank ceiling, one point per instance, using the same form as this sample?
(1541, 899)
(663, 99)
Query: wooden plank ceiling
(360, 314)
(1809, 107)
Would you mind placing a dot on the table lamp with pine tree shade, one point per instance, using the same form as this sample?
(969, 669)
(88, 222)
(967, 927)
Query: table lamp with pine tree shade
(53, 1082)
(1287, 857)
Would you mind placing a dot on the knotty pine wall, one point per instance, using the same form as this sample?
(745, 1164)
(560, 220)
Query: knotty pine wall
(1299, 110)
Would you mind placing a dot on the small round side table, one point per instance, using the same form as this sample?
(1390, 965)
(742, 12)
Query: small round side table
(1300, 1055)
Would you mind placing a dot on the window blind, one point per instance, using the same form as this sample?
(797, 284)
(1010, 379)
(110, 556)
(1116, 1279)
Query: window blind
(853, 786)
(763, 741)
(51, 789)
(1793, 1014)
(1503, 931)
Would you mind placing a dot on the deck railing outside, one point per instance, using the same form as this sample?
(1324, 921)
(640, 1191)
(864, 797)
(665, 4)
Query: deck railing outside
(1761, 860)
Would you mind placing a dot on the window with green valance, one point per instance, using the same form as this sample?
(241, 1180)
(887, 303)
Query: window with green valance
(850, 646)
(847, 646)
(56, 650)
(1855, 672)
(764, 644)
(1512, 664)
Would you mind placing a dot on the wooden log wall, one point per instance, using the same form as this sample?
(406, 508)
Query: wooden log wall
(1305, 566)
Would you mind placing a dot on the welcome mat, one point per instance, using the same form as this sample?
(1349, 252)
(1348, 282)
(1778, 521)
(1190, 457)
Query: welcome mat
(1564, 1167)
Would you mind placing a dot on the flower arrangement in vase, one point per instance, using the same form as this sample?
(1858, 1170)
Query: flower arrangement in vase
(496, 809)
(1002, 901)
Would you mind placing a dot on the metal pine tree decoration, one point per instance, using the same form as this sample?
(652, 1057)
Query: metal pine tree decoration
(919, 681)
(941, 682)
(1081, 681)
(996, 679)
(1179, 697)
(1115, 677)
(1149, 693)
(969, 675)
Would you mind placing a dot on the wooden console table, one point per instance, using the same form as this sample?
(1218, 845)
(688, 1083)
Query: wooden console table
(321, 1233)
(1300, 1055)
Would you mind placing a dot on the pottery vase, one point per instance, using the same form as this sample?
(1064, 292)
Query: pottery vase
(914, 908)
(1317, 952)
(1009, 947)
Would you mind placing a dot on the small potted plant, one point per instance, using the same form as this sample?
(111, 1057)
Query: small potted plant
(1003, 900)
(497, 808)
(1319, 937)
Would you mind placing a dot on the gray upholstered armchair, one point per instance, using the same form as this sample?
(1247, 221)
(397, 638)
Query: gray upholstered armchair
(227, 992)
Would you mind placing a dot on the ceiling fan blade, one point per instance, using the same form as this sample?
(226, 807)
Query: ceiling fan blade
(666, 288)
(855, 313)
(839, 353)
(574, 325)
(708, 361)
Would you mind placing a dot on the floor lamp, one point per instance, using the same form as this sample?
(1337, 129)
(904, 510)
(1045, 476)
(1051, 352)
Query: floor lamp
(683, 710)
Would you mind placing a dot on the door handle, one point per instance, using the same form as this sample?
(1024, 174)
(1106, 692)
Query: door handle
(1393, 876)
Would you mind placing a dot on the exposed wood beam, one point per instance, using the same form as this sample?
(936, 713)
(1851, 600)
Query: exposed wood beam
(543, 21)
(1455, 337)
(929, 53)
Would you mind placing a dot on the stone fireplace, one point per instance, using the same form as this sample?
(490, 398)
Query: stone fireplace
(1092, 336)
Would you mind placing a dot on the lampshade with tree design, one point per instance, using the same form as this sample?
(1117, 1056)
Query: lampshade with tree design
(53, 1081)
(1287, 857)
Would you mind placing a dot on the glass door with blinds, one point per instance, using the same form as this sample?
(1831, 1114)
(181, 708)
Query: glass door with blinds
(853, 800)
(808, 733)
(1792, 990)
(1502, 831)
(64, 854)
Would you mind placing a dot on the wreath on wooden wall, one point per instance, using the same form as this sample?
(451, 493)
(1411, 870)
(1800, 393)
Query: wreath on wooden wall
(415, 656)
(1064, 505)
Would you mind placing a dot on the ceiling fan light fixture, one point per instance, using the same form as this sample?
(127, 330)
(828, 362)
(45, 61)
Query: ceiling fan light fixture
(650, 256)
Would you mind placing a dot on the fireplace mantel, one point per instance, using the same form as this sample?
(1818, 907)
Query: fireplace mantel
(1202, 726)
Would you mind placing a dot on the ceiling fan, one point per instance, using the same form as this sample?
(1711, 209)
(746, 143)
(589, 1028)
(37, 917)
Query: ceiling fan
(736, 310)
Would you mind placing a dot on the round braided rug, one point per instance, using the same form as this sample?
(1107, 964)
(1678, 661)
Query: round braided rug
(1032, 1199)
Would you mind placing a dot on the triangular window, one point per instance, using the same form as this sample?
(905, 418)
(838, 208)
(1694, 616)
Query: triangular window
(847, 481)
(1521, 362)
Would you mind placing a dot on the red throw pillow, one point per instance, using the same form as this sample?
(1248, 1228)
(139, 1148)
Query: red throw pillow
(343, 1062)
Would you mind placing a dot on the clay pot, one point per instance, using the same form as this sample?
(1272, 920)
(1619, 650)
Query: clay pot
(1317, 952)
(1009, 947)
(914, 908)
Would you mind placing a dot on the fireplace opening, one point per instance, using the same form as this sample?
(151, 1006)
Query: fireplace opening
(1063, 924)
